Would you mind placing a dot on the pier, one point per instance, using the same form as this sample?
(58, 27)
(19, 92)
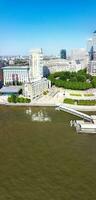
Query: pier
(86, 117)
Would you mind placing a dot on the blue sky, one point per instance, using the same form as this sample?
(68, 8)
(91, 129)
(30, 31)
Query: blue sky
(50, 24)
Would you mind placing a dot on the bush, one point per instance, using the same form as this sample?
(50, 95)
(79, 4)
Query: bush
(94, 82)
(9, 100)
(45, 92)
(15, 99)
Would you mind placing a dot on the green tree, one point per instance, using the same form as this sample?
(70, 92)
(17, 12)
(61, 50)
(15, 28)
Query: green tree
(94, 82)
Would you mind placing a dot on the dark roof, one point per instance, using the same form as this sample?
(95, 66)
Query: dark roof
(10, 89)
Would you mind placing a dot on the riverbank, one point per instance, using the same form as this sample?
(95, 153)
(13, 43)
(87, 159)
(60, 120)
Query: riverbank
(54, 98)
(34, 104)
(29, 104)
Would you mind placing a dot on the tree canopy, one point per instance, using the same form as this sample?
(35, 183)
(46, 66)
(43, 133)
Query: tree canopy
(73, 80)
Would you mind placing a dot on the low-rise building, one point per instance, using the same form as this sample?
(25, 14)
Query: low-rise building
(57, 65)
(10, 90)
(14, 74)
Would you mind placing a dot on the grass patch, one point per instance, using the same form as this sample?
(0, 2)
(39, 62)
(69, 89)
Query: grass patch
(74, 94)
(87, 102)
(89, 95)
(80, 102)
(69, 101)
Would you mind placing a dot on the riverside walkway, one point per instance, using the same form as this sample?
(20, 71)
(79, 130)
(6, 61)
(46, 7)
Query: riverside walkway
(62, 107)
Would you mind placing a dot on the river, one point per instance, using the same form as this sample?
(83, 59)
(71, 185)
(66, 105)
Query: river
(43, 158)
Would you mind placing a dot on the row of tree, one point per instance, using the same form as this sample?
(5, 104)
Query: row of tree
(15, 99)
(73, 80)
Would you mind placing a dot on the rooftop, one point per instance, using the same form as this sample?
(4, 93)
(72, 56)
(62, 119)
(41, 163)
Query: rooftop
(16, 67)
(10, 89)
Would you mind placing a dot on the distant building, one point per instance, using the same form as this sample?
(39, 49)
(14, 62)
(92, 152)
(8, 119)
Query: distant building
(89, 45)
(78, 54)
(57, 65)
(92, 54)
(63, 54)
(11, 62)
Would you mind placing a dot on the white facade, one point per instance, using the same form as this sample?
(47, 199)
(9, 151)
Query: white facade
(92, 68)
(92, 54)
(58, 65)
(36, 88)
(79, 54)
(36, 64)
(31, 76)
(15, 73)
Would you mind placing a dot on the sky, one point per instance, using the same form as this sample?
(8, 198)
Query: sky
(47, 24)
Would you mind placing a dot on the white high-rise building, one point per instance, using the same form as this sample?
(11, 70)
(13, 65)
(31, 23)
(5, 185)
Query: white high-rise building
(37, 84)
(36, 64)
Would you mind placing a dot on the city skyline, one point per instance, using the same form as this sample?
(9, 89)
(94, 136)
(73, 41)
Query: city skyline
(50, 25)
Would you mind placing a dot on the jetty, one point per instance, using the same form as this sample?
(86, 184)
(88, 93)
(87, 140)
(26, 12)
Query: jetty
(87, 125)
(76, 113)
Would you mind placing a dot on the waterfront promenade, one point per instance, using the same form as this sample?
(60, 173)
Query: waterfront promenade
(50, 104)
(55, 97)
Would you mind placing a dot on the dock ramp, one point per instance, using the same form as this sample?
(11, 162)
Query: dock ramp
(76, 113)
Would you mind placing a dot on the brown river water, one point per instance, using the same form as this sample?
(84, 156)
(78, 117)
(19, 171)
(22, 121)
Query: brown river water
(43, 158)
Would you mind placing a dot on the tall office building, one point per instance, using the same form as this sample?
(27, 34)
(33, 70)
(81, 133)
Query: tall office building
(36, 64)
(91, 46)
(63, 54)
